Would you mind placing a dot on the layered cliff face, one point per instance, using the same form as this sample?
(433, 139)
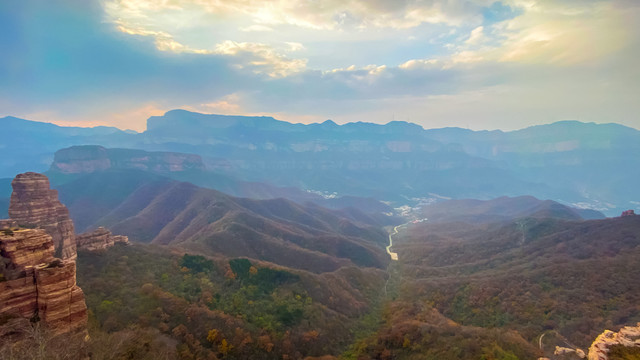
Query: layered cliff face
(33, 284)
(35, 204)
(61, 304)
(92, 158)
(99, 239)
(25, 248)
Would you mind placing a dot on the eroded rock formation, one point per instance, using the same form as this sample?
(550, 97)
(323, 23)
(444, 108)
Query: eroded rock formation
(61, 304)
(35, 204)
(33, 284)
(99, 239)
(19, 297)
(25, 248)
(628, 336)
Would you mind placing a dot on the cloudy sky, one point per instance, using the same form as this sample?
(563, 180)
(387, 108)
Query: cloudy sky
(481, 64)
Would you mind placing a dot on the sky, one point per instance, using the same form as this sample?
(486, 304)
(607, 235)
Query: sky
(478, 64)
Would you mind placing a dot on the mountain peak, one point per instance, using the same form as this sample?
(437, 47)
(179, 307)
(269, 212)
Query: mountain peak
(329, 123)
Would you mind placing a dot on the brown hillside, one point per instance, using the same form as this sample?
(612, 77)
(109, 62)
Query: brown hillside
(181, 214)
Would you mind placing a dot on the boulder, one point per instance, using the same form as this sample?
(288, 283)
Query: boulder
(99, 239)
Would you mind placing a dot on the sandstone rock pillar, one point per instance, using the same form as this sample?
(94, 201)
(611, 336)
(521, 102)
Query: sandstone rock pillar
(35, 204)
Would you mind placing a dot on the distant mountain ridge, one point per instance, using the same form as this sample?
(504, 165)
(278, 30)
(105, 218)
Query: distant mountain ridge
(90, 158)
(79, 160)
(589, 165)
(503, 209)
(153, 209)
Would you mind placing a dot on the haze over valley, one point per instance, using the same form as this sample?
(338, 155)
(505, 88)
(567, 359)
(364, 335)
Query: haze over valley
(320, 180)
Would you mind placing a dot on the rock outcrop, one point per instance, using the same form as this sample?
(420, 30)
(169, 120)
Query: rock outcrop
(19, 297)
(99, 239)
(33, 284)
(35, 204)
(91, 158)
(61, 304)
(564, 351)
(628, 336)
(21, 249)
(8, 224)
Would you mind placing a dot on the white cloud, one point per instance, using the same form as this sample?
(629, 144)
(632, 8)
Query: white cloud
(257, 28)
(476, 36)
(227, 105)
(556, 33)
(418, 64)
(328, 14)
(294, 46)
(262, 57)
(163, 40)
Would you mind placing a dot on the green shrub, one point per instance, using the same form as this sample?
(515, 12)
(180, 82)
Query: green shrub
(196, 263)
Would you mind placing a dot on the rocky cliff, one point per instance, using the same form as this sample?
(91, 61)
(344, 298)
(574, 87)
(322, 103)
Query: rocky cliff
(99, 239)
(35, 204)
(25, 248)
(92, 158)
(61, 304)
(35, 285)
(627, 337)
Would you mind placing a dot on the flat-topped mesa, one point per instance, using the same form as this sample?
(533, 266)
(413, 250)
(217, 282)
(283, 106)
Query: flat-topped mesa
(35, 204)
(99, 239)
(92, 158)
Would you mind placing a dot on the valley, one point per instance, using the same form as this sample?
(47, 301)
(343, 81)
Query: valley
(393, 255)
(191, 262)
(398, 163)
(319, 180)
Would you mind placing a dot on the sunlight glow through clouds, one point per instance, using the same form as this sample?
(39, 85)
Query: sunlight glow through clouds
(339, 59)
(544, 32)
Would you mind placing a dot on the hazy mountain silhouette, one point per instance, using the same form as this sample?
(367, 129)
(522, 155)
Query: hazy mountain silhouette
(75, 161)
(503, 209)
(571, 162)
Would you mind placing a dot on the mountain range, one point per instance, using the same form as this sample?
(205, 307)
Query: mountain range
(585, 164)
(154, 209)
(219, 274)
(503, 209)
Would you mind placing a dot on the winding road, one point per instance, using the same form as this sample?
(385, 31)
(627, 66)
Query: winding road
(394, 256)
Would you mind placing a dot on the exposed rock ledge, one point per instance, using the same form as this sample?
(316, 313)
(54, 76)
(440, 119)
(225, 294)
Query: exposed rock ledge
(99, 239)
(33, 284)
(35, 204)
(628, 336)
